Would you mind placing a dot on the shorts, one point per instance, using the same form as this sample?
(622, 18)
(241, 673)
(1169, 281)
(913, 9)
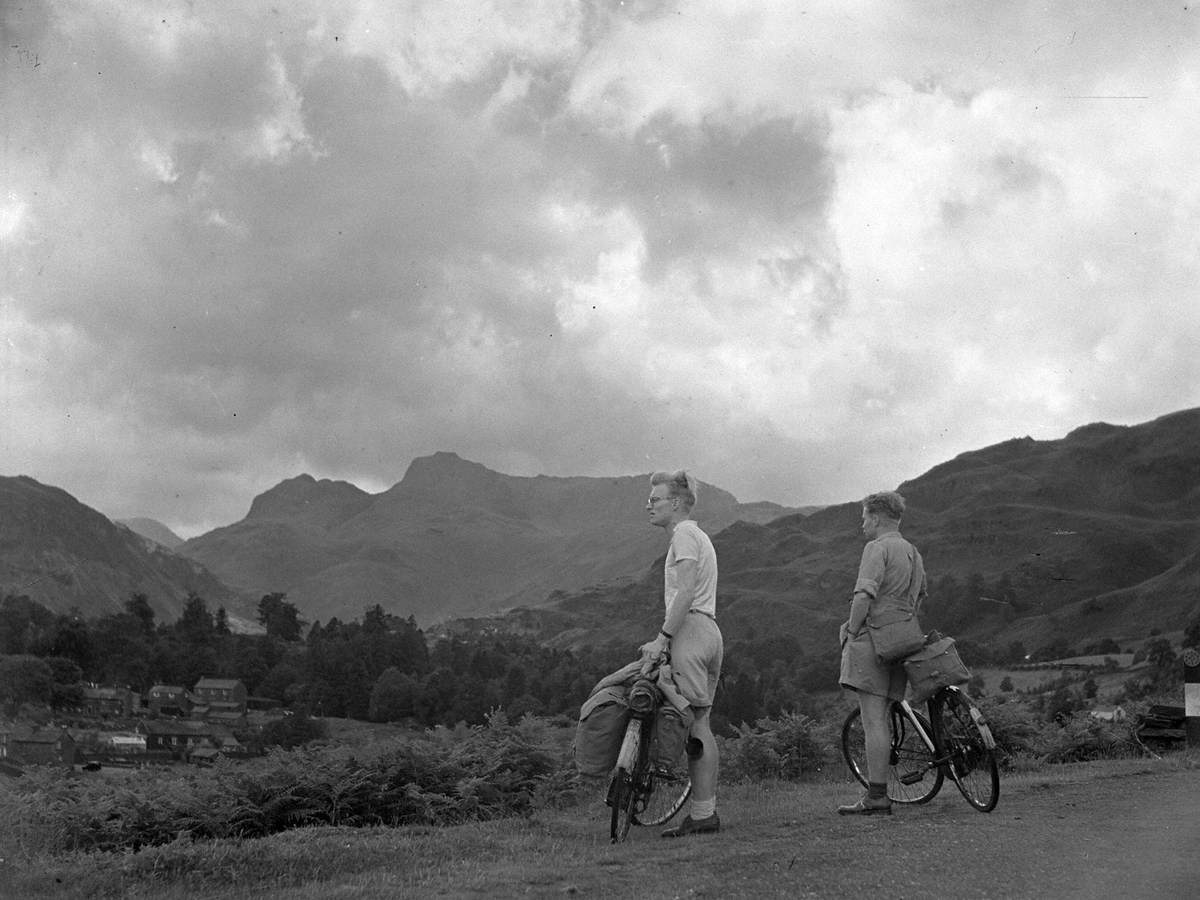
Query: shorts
(862, 670)
(697, 650)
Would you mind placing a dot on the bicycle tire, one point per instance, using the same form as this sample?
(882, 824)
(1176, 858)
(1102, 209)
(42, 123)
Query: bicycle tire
(621, 795)
(910, 758)
(661, 795)
(963, 737)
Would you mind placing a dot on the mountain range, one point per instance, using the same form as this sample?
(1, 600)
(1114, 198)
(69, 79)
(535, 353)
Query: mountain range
(451, 538)
(1093, 535)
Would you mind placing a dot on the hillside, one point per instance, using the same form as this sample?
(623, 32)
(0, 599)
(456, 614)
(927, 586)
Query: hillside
(1090, 536)
(63, 555)
(154, 530)
(451, 538)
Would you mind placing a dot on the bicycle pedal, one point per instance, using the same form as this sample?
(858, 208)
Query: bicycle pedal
(912, 777)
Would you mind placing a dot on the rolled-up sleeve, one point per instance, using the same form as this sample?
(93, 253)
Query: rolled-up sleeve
(870, 570)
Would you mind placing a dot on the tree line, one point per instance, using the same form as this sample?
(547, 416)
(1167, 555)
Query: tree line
(381, 667)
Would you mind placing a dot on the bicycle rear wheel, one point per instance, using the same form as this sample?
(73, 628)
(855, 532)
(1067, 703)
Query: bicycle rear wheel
(621, 796)
(661, 796)
(964, 738)
(912, 775)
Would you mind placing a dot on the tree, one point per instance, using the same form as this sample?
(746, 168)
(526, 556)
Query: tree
(71, 639)
(23, 624)
(1191, 634)
(280, 618)
(392, 697)
(24, 679)
(1006, 684)
(195, 622)
(277, 681)
(139, 607)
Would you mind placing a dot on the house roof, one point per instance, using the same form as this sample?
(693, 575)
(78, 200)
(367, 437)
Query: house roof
(27, 734)
(168, 689)
(184, 727)
(227, 684)
(106, 693)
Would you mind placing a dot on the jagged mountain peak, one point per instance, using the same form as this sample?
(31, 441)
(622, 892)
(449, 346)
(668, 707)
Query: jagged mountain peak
(304, 497)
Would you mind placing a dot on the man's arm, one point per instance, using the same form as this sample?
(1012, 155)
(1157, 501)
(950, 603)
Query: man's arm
(859, 607)
(685, 582)
(870, 574)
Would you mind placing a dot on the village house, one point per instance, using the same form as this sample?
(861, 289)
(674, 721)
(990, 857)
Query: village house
(33, 745)
(109, 701)
(168, 700)
(220, 695)
(182, 737)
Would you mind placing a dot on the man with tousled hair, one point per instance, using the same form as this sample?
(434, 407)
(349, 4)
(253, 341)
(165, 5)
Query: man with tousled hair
(891, 576)
(690, 633)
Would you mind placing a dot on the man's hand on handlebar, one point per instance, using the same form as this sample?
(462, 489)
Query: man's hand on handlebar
(654, 652)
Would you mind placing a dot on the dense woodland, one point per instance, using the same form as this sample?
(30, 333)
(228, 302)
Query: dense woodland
(379, 668)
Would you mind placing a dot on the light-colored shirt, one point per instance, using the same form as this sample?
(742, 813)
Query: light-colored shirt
(891, 573)
(690, 542)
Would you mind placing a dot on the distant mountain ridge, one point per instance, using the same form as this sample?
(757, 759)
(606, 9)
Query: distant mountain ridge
(451, 537)
(1094, 535)
(65, 555)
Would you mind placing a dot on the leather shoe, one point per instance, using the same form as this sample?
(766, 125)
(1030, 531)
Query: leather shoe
(694, 826)
(867, 806)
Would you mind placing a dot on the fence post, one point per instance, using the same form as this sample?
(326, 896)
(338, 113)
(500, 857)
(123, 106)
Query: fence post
(1191, 696)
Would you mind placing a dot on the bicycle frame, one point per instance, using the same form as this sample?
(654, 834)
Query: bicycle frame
(941, 757)
(635, 781)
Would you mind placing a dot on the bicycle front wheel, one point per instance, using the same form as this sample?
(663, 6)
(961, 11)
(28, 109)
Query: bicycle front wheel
(621, 796)
(966, 741)
(662, 795)
(912, 775)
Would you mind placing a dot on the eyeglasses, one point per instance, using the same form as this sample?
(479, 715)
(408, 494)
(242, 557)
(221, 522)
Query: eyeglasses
(650, 501)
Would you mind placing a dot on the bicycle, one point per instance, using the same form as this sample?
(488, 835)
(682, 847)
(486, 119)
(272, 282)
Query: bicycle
(955, 742)
(640, 792)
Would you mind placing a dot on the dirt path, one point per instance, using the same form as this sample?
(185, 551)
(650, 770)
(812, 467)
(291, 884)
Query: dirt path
(1127, 836)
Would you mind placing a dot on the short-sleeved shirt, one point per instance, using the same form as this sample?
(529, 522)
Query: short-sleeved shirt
(690, 542)
(891, 573)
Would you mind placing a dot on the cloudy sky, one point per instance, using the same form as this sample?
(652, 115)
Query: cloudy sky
(807, 250)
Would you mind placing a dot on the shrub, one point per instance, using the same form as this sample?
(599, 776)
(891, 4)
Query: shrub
(791, 747)
(1012, 727)
(479, 773)
(1083, 737)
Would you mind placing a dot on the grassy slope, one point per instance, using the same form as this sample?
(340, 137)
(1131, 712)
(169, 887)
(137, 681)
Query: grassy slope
(779, 840)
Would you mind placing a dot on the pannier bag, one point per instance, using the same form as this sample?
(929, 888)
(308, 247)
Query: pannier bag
(601, 729)
(933, 668)
(895, 634)
(669, 740)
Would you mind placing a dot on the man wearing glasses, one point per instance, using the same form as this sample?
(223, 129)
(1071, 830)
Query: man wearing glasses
(690, 634)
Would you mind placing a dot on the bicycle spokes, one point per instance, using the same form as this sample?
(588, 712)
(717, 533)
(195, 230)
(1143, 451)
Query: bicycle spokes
(969, 750)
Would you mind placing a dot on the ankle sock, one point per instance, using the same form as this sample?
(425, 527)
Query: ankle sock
(877, 791)
(702, 809)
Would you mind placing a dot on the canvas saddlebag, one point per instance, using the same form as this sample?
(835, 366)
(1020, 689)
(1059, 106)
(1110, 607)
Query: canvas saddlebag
(934, 667)
(601, 729)
(668, 744)
(895, 634)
